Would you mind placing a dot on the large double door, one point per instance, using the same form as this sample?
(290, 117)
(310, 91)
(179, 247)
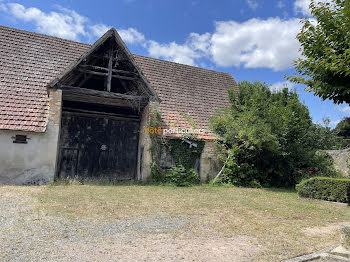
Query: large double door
(97, 146)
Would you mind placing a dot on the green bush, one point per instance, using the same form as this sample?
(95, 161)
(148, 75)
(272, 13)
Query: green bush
(178, 176)
(269, 139)
(325, 188)
(157, 173)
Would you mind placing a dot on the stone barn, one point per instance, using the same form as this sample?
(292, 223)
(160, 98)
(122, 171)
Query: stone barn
(70, 109)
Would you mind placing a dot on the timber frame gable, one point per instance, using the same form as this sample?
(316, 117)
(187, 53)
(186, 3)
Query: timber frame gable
(106, 73)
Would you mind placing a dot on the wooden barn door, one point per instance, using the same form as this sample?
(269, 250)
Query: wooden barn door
(95, 147)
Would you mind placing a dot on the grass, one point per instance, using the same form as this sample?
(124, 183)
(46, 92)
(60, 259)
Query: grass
(275, 217)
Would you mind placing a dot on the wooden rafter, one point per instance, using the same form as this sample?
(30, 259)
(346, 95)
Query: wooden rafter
(110, 64)
(92, 67)
(103, 93)
(106, 74)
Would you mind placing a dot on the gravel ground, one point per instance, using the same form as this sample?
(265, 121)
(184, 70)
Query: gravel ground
(26, 234)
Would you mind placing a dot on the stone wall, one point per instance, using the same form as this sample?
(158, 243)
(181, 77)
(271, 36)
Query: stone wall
(341, 160)
(34, 162)
(207, 166)
(210, 165)
(144, 154)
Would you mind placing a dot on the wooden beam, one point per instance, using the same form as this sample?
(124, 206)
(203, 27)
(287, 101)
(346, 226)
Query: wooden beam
(86, 91)
(75, 97)
(106, 69)
(110, 64)
(106, 74)
(100, 114)
(86, 78)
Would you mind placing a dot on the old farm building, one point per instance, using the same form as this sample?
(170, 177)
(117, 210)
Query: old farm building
(72, 109)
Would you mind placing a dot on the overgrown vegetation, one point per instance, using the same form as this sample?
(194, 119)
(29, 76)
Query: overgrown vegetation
(180, 176)
(343, 130)
(325, 188)
(98, 181)
(183, 154)
(269, 138)
(325, 63)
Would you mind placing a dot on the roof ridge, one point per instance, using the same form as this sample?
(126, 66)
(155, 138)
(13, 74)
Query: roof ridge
(197, 67)
(77, 42)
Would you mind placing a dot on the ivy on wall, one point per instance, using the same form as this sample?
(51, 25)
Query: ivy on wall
(183, 153)
(184, 150)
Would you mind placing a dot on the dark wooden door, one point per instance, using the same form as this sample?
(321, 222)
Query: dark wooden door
(95, 147)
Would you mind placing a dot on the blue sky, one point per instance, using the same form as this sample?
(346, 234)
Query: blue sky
(251, 39)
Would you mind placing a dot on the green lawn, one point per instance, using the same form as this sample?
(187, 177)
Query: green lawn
(283, 224)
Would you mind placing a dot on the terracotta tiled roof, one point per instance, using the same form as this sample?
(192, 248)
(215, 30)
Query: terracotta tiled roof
(29, 61)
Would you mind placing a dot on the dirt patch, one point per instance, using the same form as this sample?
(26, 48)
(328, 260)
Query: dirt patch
(159, 247)
(330, 229)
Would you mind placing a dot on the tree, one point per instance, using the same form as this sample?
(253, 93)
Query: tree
(325, 63)
(268, 136)
(342, 130)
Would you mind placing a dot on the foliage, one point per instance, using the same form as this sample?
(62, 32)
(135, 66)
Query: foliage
(325, 188)
(325, 63)
(326, 138)
(321, 165)
(342, 130)
(157, 173)
(239, 175)
(268, 137)
(179, 176)
(182, 153)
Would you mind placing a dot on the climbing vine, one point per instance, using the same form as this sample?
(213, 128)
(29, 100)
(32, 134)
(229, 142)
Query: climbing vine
(184, 151)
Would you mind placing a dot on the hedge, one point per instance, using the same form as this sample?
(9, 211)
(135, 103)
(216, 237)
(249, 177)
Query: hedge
(325, 188)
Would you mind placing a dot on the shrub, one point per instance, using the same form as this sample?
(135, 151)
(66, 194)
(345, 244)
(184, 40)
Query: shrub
(178, 176)
(325, 188)
(157, 173)
(320, 165)
(269, 138)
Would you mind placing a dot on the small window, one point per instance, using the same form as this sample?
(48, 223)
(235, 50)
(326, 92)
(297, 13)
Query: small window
(20, 139)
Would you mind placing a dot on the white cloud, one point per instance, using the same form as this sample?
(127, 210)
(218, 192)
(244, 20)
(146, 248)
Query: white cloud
(334, 123)
(131, 35)
(280, 4)
(256, 43)
(195, 47)
(174, 52)
(199, 43)
(302, 6)
(344, 109)
(278, 86)
(252, 4)
(98, 30)
(66, 23)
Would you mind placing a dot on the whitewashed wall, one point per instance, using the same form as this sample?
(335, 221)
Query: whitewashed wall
(34, 162)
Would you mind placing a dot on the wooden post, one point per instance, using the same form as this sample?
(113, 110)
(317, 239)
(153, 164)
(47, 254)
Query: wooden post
(110, 63)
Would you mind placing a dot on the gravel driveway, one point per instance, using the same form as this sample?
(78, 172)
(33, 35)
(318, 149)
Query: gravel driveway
(26, 234)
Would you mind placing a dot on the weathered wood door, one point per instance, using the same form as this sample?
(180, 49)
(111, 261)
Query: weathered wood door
(94, 147)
